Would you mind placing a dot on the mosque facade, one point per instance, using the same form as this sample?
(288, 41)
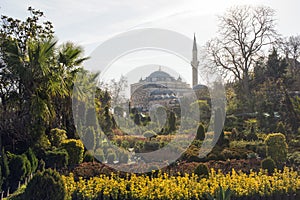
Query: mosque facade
(162, 88)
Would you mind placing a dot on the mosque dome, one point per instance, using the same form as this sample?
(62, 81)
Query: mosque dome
(159, 74)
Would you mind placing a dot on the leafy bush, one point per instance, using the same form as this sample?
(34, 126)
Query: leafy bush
(111, 157)
(294, 158)
(18, 166)
(1, 178)
(88, 157)
(4, 167)
(75, 150)
(56, 136)
(58, 158)
(234, 133)
(231, 154)
(47, 185)
(277, 147)
(231, 121)
(251, 136)
(43, 142)
(124, 157)
(268, 164)
(280, 128)
(125, 144)
(202, 170)
(139, 146)
(149, 134)
(27, 165)
(99, 155)
(212, 156)
(32, 159)
(151, 145)
(200, 132)
(89, 138)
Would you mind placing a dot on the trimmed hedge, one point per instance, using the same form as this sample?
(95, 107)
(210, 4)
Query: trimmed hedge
(75, 150)
(56, 159)
(268, 164)
(47, 185)
(56, 136)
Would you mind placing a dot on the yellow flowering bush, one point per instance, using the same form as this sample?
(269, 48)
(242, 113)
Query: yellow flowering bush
(254, 184)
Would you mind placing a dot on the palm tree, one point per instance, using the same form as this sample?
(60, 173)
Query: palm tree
(69, 59)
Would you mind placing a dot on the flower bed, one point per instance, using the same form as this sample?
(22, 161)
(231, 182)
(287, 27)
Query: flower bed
(255, 185)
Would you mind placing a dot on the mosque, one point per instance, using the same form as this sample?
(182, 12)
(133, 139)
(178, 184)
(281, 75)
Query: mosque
(161, 88)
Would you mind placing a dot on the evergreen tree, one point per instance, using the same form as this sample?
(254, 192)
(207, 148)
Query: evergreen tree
(171, 122)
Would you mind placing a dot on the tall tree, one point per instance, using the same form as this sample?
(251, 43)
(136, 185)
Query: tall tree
(291, 49)
(35, 77)
(243, 33)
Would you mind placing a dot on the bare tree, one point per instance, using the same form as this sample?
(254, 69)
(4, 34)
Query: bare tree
(244, 31)
(291, 48)
(116, 89)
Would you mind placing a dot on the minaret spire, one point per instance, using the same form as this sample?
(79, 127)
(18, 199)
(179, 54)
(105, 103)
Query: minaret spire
(194, 44)
(195, 62)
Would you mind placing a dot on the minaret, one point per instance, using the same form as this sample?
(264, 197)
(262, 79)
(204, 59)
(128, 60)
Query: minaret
(195, 63)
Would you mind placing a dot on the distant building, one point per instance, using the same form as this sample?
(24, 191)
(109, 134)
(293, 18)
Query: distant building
(161, 88)
(158, 88)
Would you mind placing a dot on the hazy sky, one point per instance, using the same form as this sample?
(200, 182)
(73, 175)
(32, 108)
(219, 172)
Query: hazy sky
(91, 22)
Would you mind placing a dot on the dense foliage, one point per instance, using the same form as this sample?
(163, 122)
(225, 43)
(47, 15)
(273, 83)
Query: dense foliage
(47, 185)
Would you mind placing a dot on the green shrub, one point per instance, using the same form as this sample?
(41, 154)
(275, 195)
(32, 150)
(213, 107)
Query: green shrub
(202, 170)
(149, 134)
(27, 165)
(125, 144)
(18, 169)
(111, 157)
(4, 166)
(231, 154)
(231, 121)
(234, 134)
(89, 138)
(109, 150)
(251, 136)
(88, 157)
(200, 132)
(99, 155)
(32, 159)
(1, 179)
(212, 156)
(41, 166)
(268, 164)
(294, 158)
(294, 143)
(171, 122)
(197, 143)
(124, 157)
(261, 150)
(280, 128)
(139, 146)
(56, 159)
(56, 136)
(277, 147)
(43, 142)
(47, 185)
(151, 145)
(75, 150)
